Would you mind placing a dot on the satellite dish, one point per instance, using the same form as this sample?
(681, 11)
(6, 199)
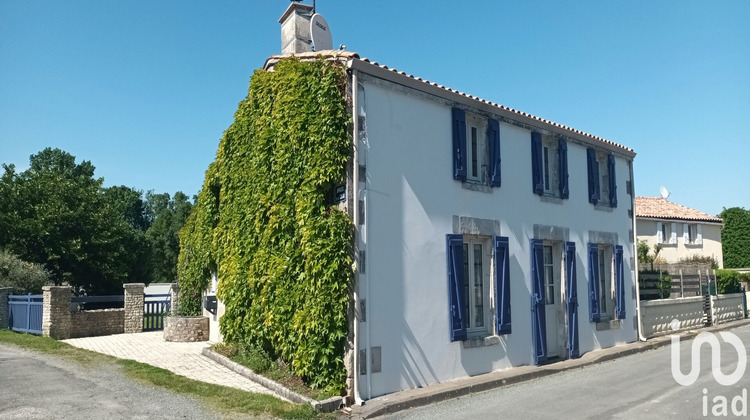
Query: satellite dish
(664, 192)
(320, 33)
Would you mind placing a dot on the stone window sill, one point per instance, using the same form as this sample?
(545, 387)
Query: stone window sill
(476, 186)
(550, 198)
(603, 207)
(491, 340)
(613, 324)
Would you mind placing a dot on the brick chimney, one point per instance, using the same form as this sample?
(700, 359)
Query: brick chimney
(295, 28)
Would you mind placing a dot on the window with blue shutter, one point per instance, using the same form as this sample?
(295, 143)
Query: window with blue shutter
(571, 294)
(593, 167)
(538, 320)
(456, 284)
(459, 144)
(562, 153)
(612, 180)
(493, 134)
(619, 283)
(593, 253)
(537, 177)
(502, 285)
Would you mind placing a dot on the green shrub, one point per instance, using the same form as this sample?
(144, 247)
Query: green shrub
(24, 277)
(727, 281)
(701, 259)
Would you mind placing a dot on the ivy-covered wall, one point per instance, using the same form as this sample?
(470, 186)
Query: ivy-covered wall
(264, 222)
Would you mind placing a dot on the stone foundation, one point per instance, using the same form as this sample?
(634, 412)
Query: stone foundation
(185, 328)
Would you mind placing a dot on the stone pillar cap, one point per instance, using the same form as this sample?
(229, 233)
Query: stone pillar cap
(133, 285)
(56, 287)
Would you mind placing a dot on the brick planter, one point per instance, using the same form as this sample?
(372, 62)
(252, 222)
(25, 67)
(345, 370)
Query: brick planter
(185, 328)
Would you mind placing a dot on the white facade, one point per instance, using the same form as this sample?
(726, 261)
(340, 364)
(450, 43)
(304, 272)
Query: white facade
(412, 201)
(681, 239)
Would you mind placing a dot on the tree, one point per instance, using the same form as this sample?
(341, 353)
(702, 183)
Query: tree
(643, 253)
(735, 237)
(167, 216)
(22, 276)
(56, 214)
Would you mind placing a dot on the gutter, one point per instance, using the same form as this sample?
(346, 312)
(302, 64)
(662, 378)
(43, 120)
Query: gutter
(355, 213)
(635, 256)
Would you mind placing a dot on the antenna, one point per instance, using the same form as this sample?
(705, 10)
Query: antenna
(664, 192)
(320, 33)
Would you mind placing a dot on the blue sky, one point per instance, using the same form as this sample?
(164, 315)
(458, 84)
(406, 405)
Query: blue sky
(145, 89)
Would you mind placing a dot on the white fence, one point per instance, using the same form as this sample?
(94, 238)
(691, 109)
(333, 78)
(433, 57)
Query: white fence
(726, 308)
(657, 315)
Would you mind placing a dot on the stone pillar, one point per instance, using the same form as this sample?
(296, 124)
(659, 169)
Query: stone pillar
(56, 312)
(4, 292)
(174, 292)
(133, 307)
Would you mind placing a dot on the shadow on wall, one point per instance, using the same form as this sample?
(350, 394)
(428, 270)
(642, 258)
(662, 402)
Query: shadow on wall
(414, 357)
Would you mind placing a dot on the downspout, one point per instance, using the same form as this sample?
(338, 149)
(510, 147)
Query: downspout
(635, 253)
(355, 206)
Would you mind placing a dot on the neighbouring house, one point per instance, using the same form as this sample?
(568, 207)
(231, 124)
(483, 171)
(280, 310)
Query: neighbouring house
(681, 231)
(485, 237)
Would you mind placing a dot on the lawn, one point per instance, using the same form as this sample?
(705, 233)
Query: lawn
(223, 399)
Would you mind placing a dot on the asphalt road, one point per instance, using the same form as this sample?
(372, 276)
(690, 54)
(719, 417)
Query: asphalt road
(640, 386)
(36, 386)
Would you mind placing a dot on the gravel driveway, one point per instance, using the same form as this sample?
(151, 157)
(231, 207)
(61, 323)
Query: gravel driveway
(36, 386)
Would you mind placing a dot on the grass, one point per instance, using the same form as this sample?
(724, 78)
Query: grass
(259, 362)
(221, 398)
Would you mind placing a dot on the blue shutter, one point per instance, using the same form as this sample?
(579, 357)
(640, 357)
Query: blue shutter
(593, 167)
(619, 283)
(455, 251)
(493, 134)
(537, 163)
(571, 293)
(502, 285)
(612, 180)
(459, 144)
(562, 153)
(538, 320)
(594, 315)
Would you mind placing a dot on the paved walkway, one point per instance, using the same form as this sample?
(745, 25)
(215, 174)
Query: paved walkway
(181, 358)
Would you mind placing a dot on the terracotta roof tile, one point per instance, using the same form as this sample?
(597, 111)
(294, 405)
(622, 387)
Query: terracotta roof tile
(349, 55)
(659, 208)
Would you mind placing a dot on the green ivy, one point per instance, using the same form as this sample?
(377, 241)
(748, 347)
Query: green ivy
(735, 237)
(264, 222)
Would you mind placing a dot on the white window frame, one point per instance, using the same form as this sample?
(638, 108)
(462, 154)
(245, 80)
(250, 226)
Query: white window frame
(605, 267)
(549, 274)
(476, 124)
(470, 241)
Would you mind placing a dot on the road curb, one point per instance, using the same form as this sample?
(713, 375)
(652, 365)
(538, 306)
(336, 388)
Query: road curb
(404, 400)
(325, 406)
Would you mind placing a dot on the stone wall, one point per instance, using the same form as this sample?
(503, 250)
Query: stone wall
(4, 292)
(185, 328)
(96, 322)
(59, 322)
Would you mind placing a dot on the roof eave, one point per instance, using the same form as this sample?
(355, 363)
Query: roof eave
(484, 105)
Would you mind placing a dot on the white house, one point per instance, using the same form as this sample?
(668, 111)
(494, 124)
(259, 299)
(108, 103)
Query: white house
(487, 238)
(682, 232)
